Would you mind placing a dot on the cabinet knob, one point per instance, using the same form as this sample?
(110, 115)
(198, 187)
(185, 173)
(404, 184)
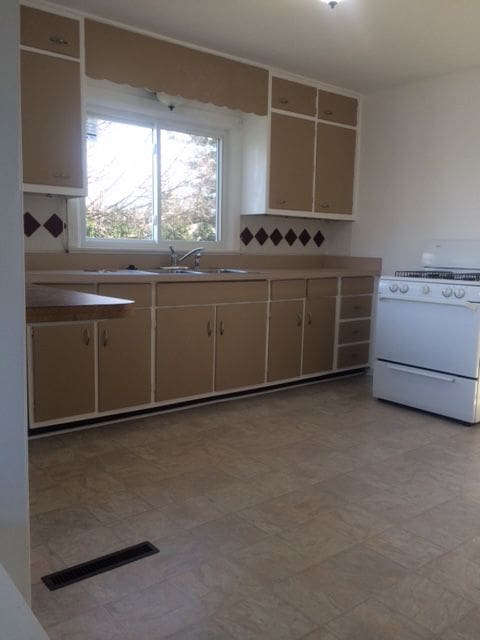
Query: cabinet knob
(325, 205)
(221, 328)
(105, 338)
(63, 176)
(283, 101)
(328, 112)
(309, 318)
(58, 40)
(299, 319)
(86, 336)
(281, 202)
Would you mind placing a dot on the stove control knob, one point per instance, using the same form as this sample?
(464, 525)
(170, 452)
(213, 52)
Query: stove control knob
(404, 288)
(459, 293)
(393, 288)
(447, 292)
(425, 289)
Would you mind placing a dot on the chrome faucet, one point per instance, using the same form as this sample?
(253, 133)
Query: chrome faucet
(175, 260)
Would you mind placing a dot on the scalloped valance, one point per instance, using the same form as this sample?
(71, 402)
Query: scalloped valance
(127, 57)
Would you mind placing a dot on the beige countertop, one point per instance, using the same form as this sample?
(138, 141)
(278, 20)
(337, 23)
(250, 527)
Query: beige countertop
(46, 304)
(122, 275)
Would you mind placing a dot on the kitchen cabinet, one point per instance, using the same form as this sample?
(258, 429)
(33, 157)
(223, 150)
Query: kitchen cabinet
(285, 340)
(63, 371)
(124, 361)
(337, 108)
(293, 96)
(334, 172)
(354, 322)
(319, 335)
(49, 32)
(124, 350)
(291, 163)
(53, 145)
(241, 345)
(184, 351)
(52, 138)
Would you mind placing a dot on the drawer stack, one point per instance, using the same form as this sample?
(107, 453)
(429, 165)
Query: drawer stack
(355, 322)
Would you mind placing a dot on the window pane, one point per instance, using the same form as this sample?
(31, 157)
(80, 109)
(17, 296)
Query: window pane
(189, 186)
(120, 161)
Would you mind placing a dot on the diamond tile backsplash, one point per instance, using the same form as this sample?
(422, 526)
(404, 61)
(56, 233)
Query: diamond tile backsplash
(281, 234)
(44, 223)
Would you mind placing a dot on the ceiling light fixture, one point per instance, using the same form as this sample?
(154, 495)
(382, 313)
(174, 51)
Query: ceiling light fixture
(331, 3)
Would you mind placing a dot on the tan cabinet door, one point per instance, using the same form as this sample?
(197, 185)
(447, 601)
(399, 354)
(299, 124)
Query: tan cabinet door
(319, 335)
(335, 169)
(285, 340)
(51, 121)
(185, 343)
(291, 163)
(63, 371)
(124, 361)
(241, 345)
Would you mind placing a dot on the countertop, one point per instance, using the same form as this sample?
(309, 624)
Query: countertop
(122, 275)
(46, 304)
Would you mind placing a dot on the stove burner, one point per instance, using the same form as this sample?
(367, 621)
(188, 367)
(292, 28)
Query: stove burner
(440, 275)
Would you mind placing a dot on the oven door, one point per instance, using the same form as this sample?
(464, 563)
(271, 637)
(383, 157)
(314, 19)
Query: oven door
(438, 335)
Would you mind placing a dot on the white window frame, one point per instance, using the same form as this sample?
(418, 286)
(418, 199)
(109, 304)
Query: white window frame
(106, 100)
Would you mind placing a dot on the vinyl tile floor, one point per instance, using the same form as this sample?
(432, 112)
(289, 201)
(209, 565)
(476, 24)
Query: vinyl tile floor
(312, 513)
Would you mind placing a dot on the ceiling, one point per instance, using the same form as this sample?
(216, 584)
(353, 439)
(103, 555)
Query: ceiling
(363, 45)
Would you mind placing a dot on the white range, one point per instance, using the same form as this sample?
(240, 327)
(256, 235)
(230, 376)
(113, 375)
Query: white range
(428, 333)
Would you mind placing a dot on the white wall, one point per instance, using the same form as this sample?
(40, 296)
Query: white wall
(419, 168)
(13, 468)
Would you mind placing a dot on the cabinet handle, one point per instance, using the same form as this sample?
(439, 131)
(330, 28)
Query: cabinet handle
(325, 205)
(299, 319)
(105, 338)
(283, 101)
(355, 332)
(309, 317)
(209, 328)
(281, 201)
(63, 176)
(356, 307)
(58, 40)
(86, 336)
(221, 328)
(328, 112)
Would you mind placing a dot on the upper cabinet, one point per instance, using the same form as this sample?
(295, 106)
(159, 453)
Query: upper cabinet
(300, 160)
(295, 97)
(49, 32)
(51, 102)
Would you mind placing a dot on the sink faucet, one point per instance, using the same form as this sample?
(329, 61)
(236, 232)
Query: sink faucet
(175, 260)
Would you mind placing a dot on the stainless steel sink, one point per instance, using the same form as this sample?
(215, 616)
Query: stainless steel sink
(190, 272)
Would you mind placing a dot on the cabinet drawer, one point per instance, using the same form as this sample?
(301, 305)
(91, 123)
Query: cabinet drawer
(353, 355)
(50, 32)
(140, 293)
(181, 294)
(355, 331)
(356, 307)
(293, 96)
(288, 289)
(321, 287)
(337, 108)
(357, 284)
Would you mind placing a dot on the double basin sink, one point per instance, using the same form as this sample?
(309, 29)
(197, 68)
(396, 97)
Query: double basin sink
(199, 272)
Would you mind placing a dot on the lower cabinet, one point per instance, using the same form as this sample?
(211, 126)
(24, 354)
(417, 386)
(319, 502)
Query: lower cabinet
(241, 345)
(319, 335)
(124, 356)
(285, 340)
(63, 371)
(184, 351)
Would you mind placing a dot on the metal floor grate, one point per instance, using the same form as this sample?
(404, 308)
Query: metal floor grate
(102, 564)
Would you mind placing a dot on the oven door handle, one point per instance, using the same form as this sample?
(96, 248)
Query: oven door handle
(425, 374)
(463, 305)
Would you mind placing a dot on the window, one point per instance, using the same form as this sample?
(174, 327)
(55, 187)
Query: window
(149, 183)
